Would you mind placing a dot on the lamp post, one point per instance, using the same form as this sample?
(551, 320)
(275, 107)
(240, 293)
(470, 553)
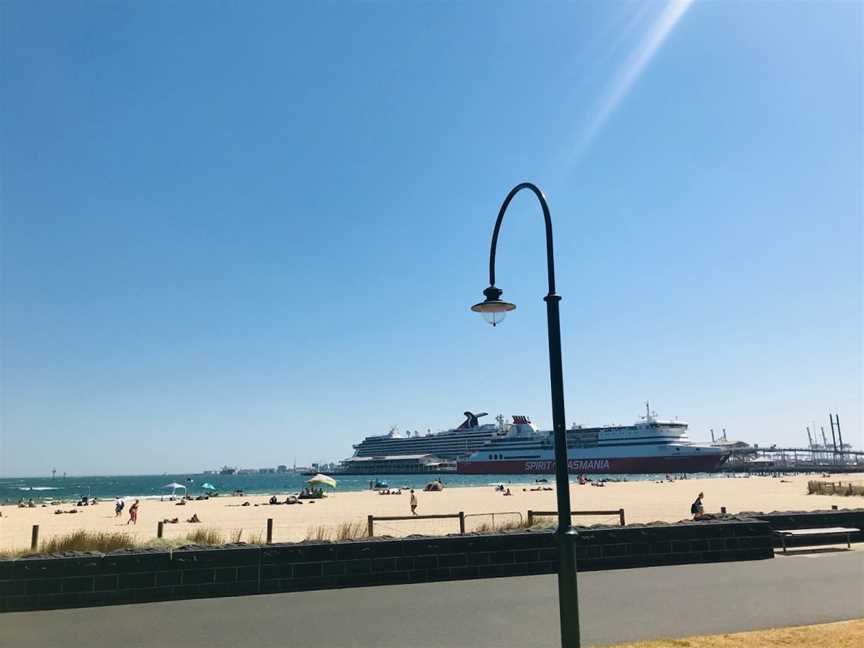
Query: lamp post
(493, 310)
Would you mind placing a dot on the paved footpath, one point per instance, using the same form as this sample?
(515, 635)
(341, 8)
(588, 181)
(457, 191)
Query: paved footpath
(615, 606)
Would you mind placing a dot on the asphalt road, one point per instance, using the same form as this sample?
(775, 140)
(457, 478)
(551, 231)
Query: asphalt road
(615, 606)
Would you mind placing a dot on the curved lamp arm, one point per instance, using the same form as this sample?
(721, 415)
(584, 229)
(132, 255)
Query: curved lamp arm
(550, 258)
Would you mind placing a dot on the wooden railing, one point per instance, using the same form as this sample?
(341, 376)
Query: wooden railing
(533, 514)
(371, 519)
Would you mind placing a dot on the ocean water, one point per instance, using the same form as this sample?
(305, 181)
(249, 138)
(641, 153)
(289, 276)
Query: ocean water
(46, 489)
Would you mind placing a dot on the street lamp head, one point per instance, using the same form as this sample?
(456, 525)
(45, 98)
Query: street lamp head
(492, 308)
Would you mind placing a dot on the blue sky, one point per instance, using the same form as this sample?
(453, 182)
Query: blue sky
(248, 233)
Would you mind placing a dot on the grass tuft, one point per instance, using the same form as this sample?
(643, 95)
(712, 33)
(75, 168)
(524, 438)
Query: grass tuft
(256, 538)
(206, 537)
(318, 533)
(87, 541)
(351, 531)
(496, 525)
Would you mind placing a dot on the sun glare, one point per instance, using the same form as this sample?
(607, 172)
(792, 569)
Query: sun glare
(647, 44)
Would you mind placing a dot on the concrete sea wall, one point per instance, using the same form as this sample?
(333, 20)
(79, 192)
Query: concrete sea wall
(140, 576)
(135, 576)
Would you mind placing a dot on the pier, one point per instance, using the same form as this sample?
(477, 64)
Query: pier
(777, 460)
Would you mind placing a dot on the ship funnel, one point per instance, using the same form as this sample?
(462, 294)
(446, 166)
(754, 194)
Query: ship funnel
(471, 420)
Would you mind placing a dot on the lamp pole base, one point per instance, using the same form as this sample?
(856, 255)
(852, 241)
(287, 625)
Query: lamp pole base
(568, 593)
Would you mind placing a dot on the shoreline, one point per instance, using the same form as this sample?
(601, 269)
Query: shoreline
(41, 495)
(642, 501)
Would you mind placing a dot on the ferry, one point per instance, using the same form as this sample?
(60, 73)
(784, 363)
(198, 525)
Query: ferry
(650, 445)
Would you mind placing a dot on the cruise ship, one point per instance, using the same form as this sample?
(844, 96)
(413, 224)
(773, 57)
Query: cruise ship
(448, 445)
(650, 445)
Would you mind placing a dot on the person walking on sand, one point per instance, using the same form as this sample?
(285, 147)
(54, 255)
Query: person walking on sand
(413, 503)
(133, 513)
(118, 507)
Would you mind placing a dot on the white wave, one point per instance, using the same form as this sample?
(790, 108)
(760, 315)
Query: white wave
(38, 488)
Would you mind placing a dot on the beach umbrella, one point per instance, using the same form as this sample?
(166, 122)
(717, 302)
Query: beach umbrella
(324, 480)
(174, 486)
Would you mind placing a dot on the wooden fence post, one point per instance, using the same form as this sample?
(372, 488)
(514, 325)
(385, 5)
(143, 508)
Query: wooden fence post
(269, 530)
(530, 518)
(462, 522)
(159, 529)
(621, 515)
(722, 510)
(371, 523)
(833, 507)
(34, 538)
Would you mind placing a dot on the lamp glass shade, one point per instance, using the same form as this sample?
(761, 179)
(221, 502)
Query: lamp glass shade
(495, 317)
(493, 310)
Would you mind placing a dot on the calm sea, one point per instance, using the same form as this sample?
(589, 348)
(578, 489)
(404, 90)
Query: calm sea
(72, 488)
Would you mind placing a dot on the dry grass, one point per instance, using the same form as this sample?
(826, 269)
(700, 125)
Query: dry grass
(87, 541)
(318, 533)
(105, 542)
(206, 537)
(833, 488)
(830, 635)
(215, 537)
(343, 531)
(505, 525)
(351, 531)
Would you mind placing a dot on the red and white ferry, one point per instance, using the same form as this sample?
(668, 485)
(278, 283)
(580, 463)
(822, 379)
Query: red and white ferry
(648, 446)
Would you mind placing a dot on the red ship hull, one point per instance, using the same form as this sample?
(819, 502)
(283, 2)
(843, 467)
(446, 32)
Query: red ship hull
(618, 465)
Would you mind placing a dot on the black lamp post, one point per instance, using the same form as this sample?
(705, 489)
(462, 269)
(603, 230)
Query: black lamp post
(493, 310)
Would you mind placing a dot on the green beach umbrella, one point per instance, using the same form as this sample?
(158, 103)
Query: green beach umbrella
(324, 480)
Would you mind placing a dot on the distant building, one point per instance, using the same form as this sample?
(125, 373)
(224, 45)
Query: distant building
(281, 469)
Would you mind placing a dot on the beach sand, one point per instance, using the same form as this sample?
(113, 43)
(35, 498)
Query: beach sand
(642, 502)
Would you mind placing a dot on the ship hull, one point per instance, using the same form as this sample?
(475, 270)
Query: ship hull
(617, 465)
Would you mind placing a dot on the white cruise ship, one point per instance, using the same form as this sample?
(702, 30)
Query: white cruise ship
(449, 444)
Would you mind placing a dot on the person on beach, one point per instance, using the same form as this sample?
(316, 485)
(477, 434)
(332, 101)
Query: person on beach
(119, 504)
(696, 508)
(133, 513)
(413, 503)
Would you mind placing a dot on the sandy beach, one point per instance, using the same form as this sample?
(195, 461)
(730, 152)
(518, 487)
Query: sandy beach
(642, 502)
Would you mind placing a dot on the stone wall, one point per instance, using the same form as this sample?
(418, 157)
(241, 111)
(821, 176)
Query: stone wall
(848, 518)
(193, 572)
